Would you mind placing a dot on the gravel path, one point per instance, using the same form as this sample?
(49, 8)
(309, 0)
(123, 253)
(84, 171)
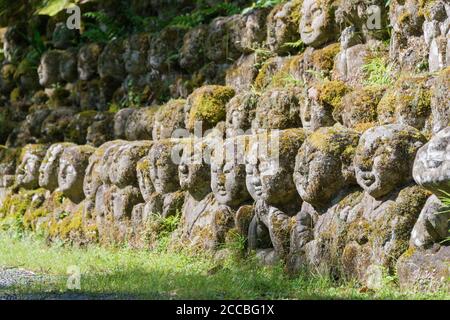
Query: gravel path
(11, 278)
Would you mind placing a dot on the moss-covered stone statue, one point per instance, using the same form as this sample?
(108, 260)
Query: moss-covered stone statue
(431, 171)
(278, 109)
(72, 170)
(168, 198)
(325, 179)
(240, 115)
(27, 172)
(270, 165)
(379, 227)
(424, 266)
(169, 118)
(49, 170)
(317, 23)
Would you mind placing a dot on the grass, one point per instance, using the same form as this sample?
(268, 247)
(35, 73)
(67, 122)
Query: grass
(171, 275)
(378, 72)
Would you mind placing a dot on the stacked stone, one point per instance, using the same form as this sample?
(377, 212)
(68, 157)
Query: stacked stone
(352, 187)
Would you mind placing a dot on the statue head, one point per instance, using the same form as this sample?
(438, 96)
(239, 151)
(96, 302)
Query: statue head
(240, 113)
(27, 173)
(324, 164)
(432, 165)
(317, 25)
(48, 70)
(169, 118)
(384, 158)
(270, 166)
(123, 168)
(163, 170)
(228, 171)
(48, 172)
(194, 169)
(72, 169)
(120, 121)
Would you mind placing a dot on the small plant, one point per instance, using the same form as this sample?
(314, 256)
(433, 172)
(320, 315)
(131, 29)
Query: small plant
(103, 28)
(378, 72)
(260, 4)
(297, 45)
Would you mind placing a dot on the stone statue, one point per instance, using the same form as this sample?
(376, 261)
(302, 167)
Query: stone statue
(240, 113)
(49, 170)
(432, 171)
(48, 69)
(317, 25)
(72, 170)
(436, 29)
(379, 227)
(27, 172)
(325, 179)
(270, 166)
(164, 176)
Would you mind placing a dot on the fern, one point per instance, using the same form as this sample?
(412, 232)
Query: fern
(262, 4)
(103, 30)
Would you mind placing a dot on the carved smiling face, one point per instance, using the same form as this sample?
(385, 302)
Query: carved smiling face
(228, 173)
(314, 23)
(322, 165)
(432, 164)
(384, 158)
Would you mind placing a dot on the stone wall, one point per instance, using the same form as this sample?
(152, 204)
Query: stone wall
(361, 117)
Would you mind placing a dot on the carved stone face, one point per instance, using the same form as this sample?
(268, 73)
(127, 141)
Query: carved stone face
(48, 70)
(48, 172)
(120, 121)
(320, 167)
(194, 173)
(72, 169)
(432, 164)
(87, 60)
(228, 172)
(314, 23)
(384, 158)
(27, 173)
(163, 171)
(253, 176)
(276, 168)
(240, 113)
(123, 168)
(92, 179)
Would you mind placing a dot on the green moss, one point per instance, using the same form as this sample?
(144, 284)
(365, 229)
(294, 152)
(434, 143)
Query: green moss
(323, 59)
(331, 93)
(15, 95)
(208, 105)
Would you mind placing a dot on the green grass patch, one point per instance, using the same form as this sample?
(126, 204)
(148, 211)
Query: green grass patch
(172, 275)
